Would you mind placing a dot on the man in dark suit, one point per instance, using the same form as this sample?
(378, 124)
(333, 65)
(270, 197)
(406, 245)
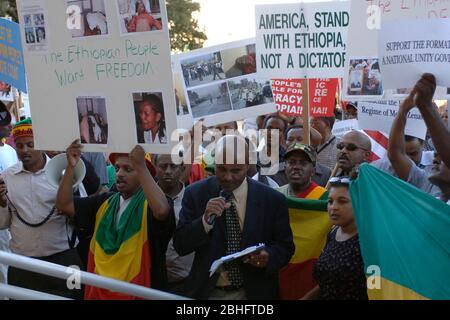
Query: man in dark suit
(247, 213)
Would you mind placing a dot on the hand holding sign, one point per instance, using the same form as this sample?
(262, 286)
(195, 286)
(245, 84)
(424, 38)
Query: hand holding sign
(424, 91)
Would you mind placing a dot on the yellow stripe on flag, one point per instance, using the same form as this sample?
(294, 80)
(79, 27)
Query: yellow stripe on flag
(310, 229)
(393, 291)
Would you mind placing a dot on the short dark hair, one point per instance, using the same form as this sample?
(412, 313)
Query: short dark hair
(274, 117)
(295, 126)
(328, 120)
(411, 138)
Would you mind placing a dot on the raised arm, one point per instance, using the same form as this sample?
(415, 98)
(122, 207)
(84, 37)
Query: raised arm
(155, 197)
(64, 198)
(396, 150)
(440, 134)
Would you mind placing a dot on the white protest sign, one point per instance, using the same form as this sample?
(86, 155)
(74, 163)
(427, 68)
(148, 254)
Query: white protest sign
(304, 40)
(99, 71)
(407, 49)
(222, 83)
(365, 23)
(380, 115)
(340, 128)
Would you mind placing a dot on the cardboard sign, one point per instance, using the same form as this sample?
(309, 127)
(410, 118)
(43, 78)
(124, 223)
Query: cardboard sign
(12, 69)
(222, 83)
(288, 95)
(91, 79)
(407, 49)
(304, 40)
(366, 19)
(379, 116)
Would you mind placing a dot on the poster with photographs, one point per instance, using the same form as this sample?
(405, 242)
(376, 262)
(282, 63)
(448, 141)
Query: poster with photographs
(137, 16)
(222, 83)
(108, 87)
(6, 92)
(35, 30)
(363, 79)
(88, 18)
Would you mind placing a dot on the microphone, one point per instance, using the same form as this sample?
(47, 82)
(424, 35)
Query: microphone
(213, 216)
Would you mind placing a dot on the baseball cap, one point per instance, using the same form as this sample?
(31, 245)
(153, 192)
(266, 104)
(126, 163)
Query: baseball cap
(296, 147)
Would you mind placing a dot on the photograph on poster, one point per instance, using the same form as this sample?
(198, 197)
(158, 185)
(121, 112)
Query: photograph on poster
(29, 35)
(249, 92)
(93, 18)
(364, 78)
(150, 118)
(203, 69)
(239, 61)
(139, 16)
(210, 100)
(180, 97)
(93, 120)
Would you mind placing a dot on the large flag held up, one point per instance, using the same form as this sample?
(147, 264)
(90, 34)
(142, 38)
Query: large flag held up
(310, 226)
(405, 233)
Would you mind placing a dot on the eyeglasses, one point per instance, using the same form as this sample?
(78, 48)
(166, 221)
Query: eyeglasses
(338, 181)
(349, 146)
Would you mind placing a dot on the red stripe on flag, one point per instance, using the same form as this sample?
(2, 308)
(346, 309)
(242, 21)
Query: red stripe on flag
(378, 137)
(296, 280)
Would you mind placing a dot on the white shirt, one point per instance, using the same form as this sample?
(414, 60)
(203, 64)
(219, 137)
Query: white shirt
(148, 138)
(8, 157)
(34, 198)
(123, 205)
(448, 202)
(178, 267)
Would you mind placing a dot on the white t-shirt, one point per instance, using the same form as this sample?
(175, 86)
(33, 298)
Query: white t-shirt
(8, 157)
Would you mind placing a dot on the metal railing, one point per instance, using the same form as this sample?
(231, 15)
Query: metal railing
(18, 293)
(62, 272)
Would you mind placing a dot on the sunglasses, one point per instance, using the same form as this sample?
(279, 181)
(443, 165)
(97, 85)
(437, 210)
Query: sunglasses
(349, 146)
(338, 181)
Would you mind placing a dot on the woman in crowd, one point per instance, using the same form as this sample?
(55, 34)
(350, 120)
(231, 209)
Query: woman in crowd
(151, 124)
(339, 271)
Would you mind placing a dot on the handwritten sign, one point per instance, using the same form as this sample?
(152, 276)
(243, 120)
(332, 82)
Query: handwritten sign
(288, 94)
(12, 70)
(305, 40)
(93, 82)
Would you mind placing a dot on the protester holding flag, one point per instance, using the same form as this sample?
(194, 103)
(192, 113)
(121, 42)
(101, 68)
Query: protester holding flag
(130, 228)
(354, 149)
(339, 271)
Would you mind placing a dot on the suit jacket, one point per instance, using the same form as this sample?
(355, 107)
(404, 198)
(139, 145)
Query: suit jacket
(266, 221)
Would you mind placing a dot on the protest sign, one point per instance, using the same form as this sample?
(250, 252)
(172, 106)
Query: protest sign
(222, 84)
(12, 69)
(288, 95)
(366, 20)
(304, 40)
(379, 116)
(407, 49)
(89, 79)
(340, 128)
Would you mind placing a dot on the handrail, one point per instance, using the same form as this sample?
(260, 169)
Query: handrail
(62, 272)
(18, 293)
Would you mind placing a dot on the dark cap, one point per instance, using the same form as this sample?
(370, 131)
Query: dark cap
(296, 147)
(5, 116)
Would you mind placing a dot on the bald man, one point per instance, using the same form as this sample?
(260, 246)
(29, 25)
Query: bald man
(354, 149)
(225, 214)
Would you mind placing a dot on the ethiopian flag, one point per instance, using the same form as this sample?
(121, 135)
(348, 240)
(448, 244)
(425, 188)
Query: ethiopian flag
(310, 226)
(120, 249)
(404, 236)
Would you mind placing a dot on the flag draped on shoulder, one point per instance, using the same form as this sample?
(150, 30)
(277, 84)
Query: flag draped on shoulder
(120, 249)
(310, 226)
(404, 236)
